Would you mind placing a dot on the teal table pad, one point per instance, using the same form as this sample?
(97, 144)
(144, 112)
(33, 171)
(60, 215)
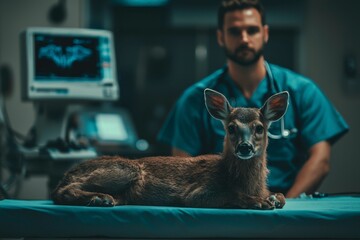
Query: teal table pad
(329, 217)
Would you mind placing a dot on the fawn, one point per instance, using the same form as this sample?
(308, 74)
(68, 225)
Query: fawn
(234, 179)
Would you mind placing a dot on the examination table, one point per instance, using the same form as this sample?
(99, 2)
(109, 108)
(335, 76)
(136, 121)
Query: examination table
(328, 217)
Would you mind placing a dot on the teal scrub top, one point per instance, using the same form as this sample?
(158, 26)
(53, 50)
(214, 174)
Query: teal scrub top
(189, 127)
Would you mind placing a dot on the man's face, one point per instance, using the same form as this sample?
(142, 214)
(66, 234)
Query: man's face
(243, 37)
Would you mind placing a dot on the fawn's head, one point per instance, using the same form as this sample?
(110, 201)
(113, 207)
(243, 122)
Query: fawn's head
(246, 128)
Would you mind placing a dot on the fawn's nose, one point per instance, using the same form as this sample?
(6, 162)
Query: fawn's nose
(245, 150)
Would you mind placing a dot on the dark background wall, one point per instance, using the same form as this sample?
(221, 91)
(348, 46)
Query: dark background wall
(163, 49)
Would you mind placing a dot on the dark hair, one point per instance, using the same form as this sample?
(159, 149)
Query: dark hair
(232, 5)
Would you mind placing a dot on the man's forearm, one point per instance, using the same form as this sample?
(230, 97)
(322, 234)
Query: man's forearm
(313, 172)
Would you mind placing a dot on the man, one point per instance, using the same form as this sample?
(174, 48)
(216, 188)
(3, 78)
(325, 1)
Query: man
(299, 144)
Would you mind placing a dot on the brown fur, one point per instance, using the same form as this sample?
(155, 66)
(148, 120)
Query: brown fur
(217, 181)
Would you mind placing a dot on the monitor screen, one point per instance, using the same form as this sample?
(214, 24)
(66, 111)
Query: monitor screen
(68, 64)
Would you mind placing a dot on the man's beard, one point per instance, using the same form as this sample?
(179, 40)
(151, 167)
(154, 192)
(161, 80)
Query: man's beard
(233, 56)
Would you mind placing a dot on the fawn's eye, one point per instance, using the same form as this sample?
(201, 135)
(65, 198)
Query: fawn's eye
(231, 129)
(259, 129)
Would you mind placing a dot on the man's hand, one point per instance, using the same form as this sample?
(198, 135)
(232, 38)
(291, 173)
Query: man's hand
(178, 152)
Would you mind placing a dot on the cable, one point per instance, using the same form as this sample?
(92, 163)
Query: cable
(354, 194)
(324, 195)
(10, 131)
(15, 161)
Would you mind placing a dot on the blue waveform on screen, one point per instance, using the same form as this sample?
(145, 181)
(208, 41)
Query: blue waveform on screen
(64, 59)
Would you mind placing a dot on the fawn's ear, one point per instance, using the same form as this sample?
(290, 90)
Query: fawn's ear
(217, 104)
(275, 107)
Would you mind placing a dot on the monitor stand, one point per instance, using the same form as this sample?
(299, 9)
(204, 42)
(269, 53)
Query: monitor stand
(51, 121)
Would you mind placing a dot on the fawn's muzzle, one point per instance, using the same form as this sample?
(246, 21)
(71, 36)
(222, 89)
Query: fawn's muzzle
(245, 150)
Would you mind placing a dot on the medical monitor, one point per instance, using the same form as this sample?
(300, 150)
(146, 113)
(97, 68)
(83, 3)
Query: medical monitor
(68, 64)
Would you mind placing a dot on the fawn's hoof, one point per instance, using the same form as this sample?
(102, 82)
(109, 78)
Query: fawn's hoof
(102, 201)
(264, 205)
(277, 199)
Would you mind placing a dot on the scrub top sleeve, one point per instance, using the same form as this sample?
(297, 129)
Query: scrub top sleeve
(182, 128)
(319, 119)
